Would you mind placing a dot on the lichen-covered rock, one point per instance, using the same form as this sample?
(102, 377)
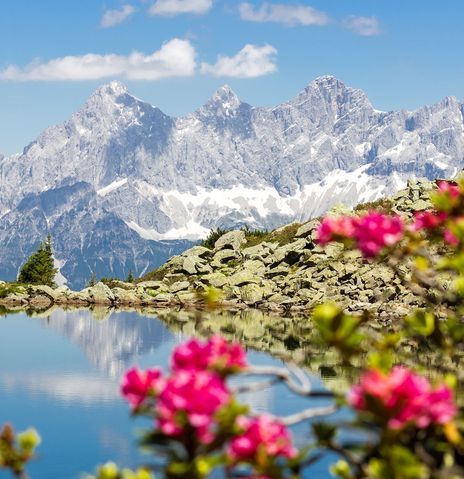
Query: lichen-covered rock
(231, 240)
(223, 256)
(198, 251)
(251, 294)
(243, 277)
(151, 285)
(217, 280)
(179, 286)
(99, 294)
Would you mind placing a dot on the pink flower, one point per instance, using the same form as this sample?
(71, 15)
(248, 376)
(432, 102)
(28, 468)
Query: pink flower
(428, 220)
(332, 229)
(216, 354)
(261, 435)
(376, 231)
(372, 232)
(403, 397)
(137, 385)
(450, 238)
(448, 187)
(192, 398)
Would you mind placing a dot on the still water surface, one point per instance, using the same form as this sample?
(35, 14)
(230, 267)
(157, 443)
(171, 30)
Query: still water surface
(60, 374)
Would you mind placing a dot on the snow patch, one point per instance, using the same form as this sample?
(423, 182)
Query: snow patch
(111, 187)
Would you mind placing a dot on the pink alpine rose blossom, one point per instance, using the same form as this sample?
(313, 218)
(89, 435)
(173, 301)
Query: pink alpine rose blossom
(332, 228)
(449, 188)
(376, 231)
(428, 220)
(215, 354)
(405, 398)
(371, 232)
(261, 434)
(137, 385)
(192, 398)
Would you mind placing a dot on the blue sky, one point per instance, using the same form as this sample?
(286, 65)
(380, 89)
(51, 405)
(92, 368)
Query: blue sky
(53, 53)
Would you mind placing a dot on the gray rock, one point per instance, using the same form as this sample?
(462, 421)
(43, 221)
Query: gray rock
(243, 277)
(231, 240)
(216, 280)
(179, 286)
(251, 294)
(99, 294)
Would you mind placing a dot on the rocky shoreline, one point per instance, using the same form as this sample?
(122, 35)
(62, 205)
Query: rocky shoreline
(289, 275)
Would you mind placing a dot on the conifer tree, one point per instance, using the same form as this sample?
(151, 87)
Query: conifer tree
(40, 266)
(130, 277)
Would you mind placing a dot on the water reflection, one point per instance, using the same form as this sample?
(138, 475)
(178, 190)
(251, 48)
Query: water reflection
(60, 371)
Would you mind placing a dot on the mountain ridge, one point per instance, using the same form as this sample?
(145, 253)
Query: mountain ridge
(226, 164)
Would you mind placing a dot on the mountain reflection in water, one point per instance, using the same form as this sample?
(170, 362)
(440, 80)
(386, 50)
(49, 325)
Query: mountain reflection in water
(60, 372)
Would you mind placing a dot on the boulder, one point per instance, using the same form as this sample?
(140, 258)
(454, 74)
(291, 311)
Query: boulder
(231, 240)
(217, 280)
(243, 277)
(99, 294)
(125, 296)
(198, 251)
(151, 285)
(179, 286)
(251, 294)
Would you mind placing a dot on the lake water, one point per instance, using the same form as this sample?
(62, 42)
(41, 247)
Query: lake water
(60, 373)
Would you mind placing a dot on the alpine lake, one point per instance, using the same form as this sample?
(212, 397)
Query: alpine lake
(60, 372)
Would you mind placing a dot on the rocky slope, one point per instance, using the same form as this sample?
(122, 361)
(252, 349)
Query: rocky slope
(121, 168)
(286, 271)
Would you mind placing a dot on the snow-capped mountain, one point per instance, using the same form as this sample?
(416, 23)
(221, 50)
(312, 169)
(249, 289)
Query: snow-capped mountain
(120, 179)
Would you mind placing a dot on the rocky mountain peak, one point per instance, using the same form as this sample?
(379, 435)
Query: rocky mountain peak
(223, 102)
(113, 89)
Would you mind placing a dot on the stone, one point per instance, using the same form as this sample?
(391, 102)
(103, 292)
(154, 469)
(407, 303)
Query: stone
(198, 251)
(255, 252)
(187, 297)
(151, 284)
(164, 298)
(125, 296)
(99, 294)
(251, 294)
(43, 290)
(231, 240)
(306, 229)
(223, 256)
(277, 271)
(242, 277)
(217, 280)
(190, 263)
(179, 286)
(254, 266)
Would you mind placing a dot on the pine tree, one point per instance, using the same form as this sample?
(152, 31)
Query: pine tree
(40, 266)
(130, 277)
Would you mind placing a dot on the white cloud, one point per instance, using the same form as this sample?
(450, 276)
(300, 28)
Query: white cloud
(250, 62)
(175, 58)
(115, 17)
(290, 15)
(365, 26)
(176, 7)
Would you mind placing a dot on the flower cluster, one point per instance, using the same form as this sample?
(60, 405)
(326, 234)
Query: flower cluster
(448, 203)
(216, 355)
(371, 232)
(138, 385)
(402, 397)
(262, 436)
(194, 393)
(191, 399)
(189, 403)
